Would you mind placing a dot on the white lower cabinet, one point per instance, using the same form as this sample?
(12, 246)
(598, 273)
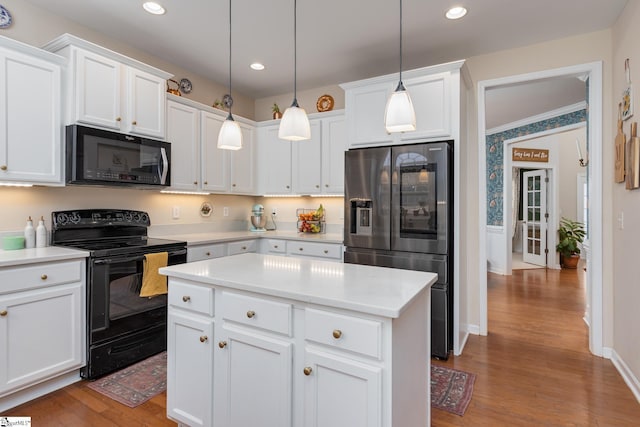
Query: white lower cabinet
(341, 392)
(190, 369)
(301, 249)
(41, 307)
(253, 382)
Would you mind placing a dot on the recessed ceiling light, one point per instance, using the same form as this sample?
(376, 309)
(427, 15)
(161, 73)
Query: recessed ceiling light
(456, 12)
(153, 8)
(257, 66)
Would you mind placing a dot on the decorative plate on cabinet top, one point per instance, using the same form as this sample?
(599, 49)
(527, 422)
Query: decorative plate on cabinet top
(5, 17)
(325, 103)
(185, 85)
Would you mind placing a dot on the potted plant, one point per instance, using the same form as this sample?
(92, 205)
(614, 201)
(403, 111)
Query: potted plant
(218, 104)
(570, 233)
(276, 111)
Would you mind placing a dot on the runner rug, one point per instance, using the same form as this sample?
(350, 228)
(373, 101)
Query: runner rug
(451, 389)
(135, 384)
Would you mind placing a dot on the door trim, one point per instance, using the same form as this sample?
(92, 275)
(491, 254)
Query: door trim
(595, 273)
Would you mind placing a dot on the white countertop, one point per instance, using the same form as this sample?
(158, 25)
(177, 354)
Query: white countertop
(229, 236)
(30, 256)
(373, 290)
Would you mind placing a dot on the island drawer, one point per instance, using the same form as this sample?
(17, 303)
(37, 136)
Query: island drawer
(350, 333)
(276, 246)
(315, 249)
(191, 297)
(39, 275)
(265, 314)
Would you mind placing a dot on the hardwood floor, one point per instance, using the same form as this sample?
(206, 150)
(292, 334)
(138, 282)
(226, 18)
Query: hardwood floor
(533, 369)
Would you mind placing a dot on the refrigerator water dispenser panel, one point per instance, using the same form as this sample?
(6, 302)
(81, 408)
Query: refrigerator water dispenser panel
(361, 210)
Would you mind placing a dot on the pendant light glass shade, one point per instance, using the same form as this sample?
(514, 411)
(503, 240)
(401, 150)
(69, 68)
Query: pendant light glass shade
(230, 136)
(294, 125)
(399, 115)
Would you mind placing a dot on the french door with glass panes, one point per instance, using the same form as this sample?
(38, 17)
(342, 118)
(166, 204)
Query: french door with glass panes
(535, 220)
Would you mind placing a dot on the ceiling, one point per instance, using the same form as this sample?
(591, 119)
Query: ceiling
(338, 40)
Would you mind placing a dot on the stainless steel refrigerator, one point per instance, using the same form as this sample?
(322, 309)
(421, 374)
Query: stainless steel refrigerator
(398, 213)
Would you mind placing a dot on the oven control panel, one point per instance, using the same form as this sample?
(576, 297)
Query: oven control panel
(98, 218)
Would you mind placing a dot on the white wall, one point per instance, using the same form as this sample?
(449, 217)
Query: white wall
(626, 268)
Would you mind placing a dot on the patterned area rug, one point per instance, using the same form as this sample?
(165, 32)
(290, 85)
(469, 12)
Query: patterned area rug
(451, 389)
(135, 384)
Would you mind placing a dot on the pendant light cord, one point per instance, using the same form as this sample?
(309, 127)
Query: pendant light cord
(295, 54)
(401, 42)
(231, 103)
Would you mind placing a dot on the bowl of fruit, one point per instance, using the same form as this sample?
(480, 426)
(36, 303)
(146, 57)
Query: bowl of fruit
(311, 221)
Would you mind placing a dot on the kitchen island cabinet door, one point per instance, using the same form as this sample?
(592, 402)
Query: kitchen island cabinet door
(30, 119)
(190, 342)
(340, 392)
(184, 135)
(40, 335)
(254, 386)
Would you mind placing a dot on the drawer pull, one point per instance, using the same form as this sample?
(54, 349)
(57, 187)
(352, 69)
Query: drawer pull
(275, 246)
(244, 248)
(250, 314)
(195, 182)
(134, 123)
(337, 334)
(222, 344)
(233, 185)
(3, 313)
(326, 251)
(186, 298)
(44, 277)
(118, 119)
(317, 186)
(204, 338)
(301, 249)
(3, 167)
(307, 370)
(208, 254)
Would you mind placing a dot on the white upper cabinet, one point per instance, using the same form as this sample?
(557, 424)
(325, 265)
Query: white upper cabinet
(197, 164)
(313, 166)
(432, 95)
(183, 132)
(109, 90)
(30, 119)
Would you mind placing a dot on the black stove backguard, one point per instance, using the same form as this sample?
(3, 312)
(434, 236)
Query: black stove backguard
(122, 327)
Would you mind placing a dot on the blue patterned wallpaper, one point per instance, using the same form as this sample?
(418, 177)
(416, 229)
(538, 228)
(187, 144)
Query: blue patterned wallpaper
(495, 158)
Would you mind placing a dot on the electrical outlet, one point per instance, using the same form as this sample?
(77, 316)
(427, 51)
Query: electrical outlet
(225, 211)
(273, 211)
(175, 212)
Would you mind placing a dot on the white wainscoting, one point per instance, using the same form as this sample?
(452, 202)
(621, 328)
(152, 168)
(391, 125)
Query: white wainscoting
(496, 256)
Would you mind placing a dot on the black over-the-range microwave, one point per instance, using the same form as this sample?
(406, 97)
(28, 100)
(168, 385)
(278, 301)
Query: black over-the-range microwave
(101, 157)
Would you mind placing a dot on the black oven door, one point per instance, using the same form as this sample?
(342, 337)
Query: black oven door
(122, 326)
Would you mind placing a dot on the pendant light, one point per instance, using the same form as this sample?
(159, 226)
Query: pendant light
(230, 136)
(399, 115)
(294, 125)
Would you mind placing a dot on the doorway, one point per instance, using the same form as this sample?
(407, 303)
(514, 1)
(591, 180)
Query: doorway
(593, 72)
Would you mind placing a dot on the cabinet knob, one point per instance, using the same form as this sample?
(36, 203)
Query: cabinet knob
(326, 251)
(206, 183)
(301, 249)
(186, 298)
(244, 248)
(204, 338)
(118, 119)
(134, 123)
(288, 187)
(44, 277)
(208, 254)
(233, 185)
(195, 182)
(3, 313)
(3, 167)
(337, 334)
(251, 314)
(317, 186)
(222, 344)
(326, 185)
(275, 246)
(307, 370)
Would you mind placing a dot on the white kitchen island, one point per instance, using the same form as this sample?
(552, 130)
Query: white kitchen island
(275, 341)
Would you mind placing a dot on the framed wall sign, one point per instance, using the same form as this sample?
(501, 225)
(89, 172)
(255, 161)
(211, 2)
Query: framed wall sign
(530, 155)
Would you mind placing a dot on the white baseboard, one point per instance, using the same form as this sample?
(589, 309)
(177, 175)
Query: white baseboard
(473, 329)
(500, 271)
(25, 395)
(628, 376)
